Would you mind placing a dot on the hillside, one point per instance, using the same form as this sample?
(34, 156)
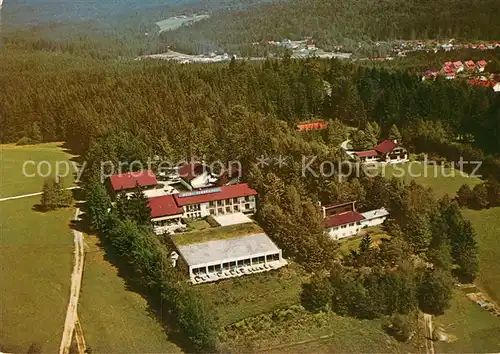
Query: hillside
(343, 22)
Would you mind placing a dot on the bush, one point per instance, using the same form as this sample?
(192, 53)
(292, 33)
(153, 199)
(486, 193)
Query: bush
(400, 327)
(211, 221)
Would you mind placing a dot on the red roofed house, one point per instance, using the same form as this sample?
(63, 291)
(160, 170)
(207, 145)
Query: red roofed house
(342, 220)
(449, 75)
(448, 65)
(166, 215)
(481, 65)
(127, 182)
(470, 65)
(311, 126)
(387, 151)
(458, 66)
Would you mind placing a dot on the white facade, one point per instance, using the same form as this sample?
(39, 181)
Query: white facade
(374, 217)
(342, 231)
(221, 259)
(244, 205)
(496, 88)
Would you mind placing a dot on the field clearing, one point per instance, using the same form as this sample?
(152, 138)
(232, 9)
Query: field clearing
(12, 179)
(173, 23)
(443, 180)
(114, 318)
(487, 225)
(340, 335)
(216, 233)
(471, 329)
(36, 258)
(238, 298)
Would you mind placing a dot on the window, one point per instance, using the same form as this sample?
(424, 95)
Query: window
(351, 224)
(212, 211)
(211, 204)
(219, 211)
(218, 268)
(241, 263)
(225, 266)
(247, 206)
(228, 209)
(228, 201)
(235, 200)
(343, 226)
(255, 261)
(219, 203)
(247, 198)
(232, 265)
(273, 257)
(236, 208)
(211, 269)
(246, 262)
(262, 259)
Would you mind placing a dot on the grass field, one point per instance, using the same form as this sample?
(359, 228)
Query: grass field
(470, 328)
(487, 225)
(216, 233)
(238, 298)
(324, 333)
(115, 319)
(36, 258)
(12, 179)
(444, 180)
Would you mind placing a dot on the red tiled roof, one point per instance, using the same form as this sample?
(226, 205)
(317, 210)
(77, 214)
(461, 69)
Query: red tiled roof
(129, 180)
(192, 170)
(482, 63)
(366, 153)
(470, 64)
(457, 64)
(386, 146)
(342, 219)
(164, 206)
(312, 126)
(212, 194)
(448, 63)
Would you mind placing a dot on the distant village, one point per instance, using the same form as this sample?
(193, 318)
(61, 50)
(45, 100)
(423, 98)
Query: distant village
(472, 71)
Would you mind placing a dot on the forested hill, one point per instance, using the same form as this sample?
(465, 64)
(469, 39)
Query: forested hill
(344, 22)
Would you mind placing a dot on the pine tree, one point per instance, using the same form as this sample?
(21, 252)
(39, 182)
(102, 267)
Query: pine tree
(435, 291)
(464, 195)
(138, 207)
(465, 252)
(480, 196)
(48, 198)
(98, 205)
(394, 133)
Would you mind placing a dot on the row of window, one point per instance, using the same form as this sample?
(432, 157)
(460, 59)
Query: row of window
(345, 226)
(228, 209)
(248, 198)
(237, 264)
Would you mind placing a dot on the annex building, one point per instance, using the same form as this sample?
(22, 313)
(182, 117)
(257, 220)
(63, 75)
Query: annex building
(227, 258)
(343, 220)
(388, 151)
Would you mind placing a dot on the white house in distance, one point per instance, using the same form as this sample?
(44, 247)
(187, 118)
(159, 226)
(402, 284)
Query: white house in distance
(388, 151)
(342, 220)
(226, 258)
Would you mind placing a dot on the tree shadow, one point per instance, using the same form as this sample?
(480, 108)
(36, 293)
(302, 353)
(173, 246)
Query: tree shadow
(157, 308)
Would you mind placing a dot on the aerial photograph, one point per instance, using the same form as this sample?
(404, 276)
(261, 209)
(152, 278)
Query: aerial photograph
(249, 176)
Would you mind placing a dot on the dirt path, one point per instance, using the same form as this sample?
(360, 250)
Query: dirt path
(429, 343)
(30, 195)
(76, 281)
(80, 340)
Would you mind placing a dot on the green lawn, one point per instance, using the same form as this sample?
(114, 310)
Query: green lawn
(487, 225)
(13, 181)
(471, 328)
(443, 180)
(36, 258)
(352, 243)
(216, 233)
(238, 298)
(115, 319)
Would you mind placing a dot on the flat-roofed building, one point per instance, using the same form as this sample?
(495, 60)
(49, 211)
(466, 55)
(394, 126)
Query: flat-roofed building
(227, 258)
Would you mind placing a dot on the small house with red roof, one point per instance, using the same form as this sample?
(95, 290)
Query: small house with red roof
(458, 66)
(470, 65)
(308, 126)
(343, 220)
(388, 151)
(481, 65)
(166, 215)
(450, 75)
